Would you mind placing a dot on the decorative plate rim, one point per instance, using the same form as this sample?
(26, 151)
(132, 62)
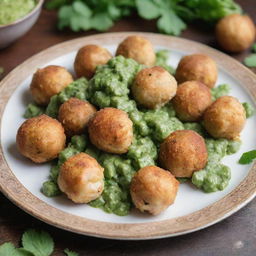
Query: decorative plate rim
(19, 195)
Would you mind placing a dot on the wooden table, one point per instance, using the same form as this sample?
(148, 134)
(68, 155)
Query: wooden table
(233, 236)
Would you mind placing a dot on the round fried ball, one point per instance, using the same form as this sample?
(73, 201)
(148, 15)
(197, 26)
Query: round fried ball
(235, 32)
(153, 189)
(49, 81)
(191, 100)
(153, 87)
(75, 115)
(40, 138)
(183, 152)
(111, 130)
(137, 48)
(88, 58)
(197, 67)
(81, 178)
(225, 118)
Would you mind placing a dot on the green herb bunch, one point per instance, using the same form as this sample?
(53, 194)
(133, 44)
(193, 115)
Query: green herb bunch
(171, 15)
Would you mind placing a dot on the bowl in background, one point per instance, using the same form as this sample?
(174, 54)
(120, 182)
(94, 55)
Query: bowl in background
(12, 31)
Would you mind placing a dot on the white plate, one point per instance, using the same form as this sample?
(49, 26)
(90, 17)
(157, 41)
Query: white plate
(189, 199)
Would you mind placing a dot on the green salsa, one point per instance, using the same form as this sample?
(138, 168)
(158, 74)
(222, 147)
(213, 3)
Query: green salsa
(12, 10)
(110, 87)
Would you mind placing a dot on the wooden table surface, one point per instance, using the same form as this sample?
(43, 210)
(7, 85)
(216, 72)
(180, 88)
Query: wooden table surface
(235, 235)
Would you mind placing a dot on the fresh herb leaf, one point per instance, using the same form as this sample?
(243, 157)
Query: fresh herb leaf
(254, 48)
(55, 4)
(250, 61)
(70, 253)
(39, 243)
(147, 9)
(82, 9)
(101, 22)
(247, 157)
(23, 252)
(7, 249)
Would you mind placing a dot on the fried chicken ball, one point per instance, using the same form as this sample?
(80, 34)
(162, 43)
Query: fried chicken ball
(235, 32)
(111, 130)
(88, 58)
(40, 138)
(191, 100)
(225, 118)
(137, 48)
(153, 87)
(49, 81)
(81, 178)
(153, 189)
(75, 115)
(183, 152)
(197, 67)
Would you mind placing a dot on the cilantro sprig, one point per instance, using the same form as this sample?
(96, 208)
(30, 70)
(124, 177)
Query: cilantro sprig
(250, 61)
(35, 243)
(171, 15)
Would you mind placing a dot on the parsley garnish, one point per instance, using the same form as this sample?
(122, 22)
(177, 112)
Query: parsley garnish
(247, 157)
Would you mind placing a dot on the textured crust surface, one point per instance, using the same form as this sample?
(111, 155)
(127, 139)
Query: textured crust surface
(198, 67)
(88, 58)
(111, 130)
(235, 32)
(40, 138)
(81, 178)
(153, 189)
(225, 118)
(75, 115)
(137, 48)
(191, 100)
(183, 152)
(49, 81)
(153, 87)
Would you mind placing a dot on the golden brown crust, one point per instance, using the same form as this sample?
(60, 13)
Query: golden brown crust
(49, 81)
(81, 178)
(191, 100)
(235, 32)
(183, 152)
(225, 118)
(75, 115)
(40, 139)
(153, 87)
(197, 67)
(153, 189)
(137, 48)
(111, 130)
(88, 58)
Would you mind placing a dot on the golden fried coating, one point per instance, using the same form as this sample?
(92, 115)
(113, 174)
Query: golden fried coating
(153, 87)
(75, 115)
(111, 130)
(49, 81)
(81, 178)
(137, 48)
(88, 58)
(153, 189)
(197, 67)
(235, 32)
(40, 138)
(191, 100)
(183, 152)
(225, 118)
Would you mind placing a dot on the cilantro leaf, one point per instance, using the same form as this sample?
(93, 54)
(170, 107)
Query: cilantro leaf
(39, 243)
(170, 23)
(147, 9)
(254, 48)
(7, 249)
(23, 252)
(101, 21)
(250, 61)
(82, 9)
(247, 157)
(70, 253)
